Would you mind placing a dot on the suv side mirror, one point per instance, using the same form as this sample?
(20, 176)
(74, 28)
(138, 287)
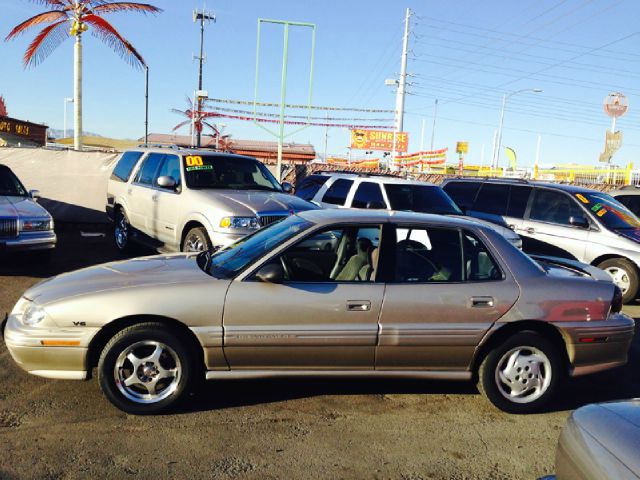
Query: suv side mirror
(287, 187)
(579, 221)
(167, 182)
(35, 194)
(271, 273)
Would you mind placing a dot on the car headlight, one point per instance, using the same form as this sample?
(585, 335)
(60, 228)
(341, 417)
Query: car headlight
(240, 222)
(36, 224)
(33, 315)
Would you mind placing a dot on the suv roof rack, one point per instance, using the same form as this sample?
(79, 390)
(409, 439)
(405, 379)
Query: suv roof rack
(512, 180)
(159, 145)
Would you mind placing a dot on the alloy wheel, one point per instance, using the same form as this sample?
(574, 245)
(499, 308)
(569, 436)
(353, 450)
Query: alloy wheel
(523, 374)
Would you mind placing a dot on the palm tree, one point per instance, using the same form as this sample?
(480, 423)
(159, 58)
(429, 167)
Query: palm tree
(196, 120)
(71, 18)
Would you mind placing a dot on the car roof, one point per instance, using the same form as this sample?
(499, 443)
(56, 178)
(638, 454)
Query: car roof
(388, 179)
(339, 215)
(626, 190)
(516, 181)
(186, 151)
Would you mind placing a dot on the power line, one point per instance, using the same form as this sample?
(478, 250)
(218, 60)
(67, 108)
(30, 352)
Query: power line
(311, 107)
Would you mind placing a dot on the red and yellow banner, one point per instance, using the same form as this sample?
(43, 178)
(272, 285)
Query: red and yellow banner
(379, 140)
(434, 157)
(372, 163)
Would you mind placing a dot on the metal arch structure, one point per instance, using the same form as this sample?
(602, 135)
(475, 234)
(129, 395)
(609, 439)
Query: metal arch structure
(283, 85)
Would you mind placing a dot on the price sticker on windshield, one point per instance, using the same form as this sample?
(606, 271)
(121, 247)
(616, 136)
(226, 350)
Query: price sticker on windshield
(193, 161)
(582, 198)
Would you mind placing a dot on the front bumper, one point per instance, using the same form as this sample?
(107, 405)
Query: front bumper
(222, 240)
(29, 241)
(26, 344)
(596, 346)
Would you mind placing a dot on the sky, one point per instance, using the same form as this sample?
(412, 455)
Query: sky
(464, 53)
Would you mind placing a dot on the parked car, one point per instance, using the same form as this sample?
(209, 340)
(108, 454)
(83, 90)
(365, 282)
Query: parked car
(361, 190)
(327, 293)
(559, 220)
(192, 200)
(25, 226)
(600, 442)
(629, 196)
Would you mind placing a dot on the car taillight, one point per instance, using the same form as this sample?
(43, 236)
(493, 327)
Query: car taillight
(616, 303)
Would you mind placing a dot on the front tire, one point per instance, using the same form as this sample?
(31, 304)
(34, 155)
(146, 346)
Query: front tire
(196, 240)
(625, 275)
(122, 232)
(522, 374)
(146, 369)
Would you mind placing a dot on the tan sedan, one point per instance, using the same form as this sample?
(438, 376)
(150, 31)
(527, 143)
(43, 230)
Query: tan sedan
(327, 293)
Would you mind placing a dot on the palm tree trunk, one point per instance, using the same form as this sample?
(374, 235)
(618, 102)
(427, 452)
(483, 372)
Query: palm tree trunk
(77, 93)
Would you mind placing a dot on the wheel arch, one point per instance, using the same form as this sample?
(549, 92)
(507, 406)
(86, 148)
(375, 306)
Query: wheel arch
(100, 339)
(611, 256)
(495, 338)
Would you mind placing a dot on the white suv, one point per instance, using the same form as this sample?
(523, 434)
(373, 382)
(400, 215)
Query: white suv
(192, 200)
(361, 190)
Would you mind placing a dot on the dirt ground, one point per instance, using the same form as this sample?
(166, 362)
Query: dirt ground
(294, 428)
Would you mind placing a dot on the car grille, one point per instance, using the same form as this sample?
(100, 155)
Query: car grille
(8, 227)
(269, 219)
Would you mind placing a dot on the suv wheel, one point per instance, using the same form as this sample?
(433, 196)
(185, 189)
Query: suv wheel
(624, 275)
(145, 369)
(522, 374)
(122, 232)
(196, 240)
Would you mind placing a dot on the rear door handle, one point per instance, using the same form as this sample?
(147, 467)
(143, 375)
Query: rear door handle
(531, 230)
(482, 302)
(154, 197)
(358, 305)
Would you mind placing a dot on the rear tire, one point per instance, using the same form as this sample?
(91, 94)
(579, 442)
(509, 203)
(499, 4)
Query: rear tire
(522, 374)
(122, 232)
(625, 275)
(196, 240)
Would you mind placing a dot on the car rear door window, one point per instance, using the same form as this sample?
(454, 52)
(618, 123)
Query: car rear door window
(492, 198)
(368, 195)
(124, 167)
(308, 188)
(518, 198)
(170, 168)
(479, 265)
(463, 193)
(553, 207)
(338, 191)
(147, 172)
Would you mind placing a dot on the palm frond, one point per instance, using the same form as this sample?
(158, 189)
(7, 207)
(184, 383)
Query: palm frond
(45, 43)
(125, 6)
(55, 3)
(44, 17)
(180, 125)
(109, 35)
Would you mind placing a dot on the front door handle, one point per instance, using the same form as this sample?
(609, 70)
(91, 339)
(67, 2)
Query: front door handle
(482, 302)
(154, 198)
(531, 230)
(358, 305)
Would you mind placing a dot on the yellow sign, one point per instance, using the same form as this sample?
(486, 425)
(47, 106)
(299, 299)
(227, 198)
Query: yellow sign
(193, 161)
(379, 140)
(462, 147)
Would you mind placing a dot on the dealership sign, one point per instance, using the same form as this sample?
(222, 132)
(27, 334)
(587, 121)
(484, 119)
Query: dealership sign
(616, 104)
(379, 140)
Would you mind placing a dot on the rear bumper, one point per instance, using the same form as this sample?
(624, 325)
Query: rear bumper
(29, 242)
(596, 346)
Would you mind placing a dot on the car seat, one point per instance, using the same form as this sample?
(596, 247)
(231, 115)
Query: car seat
(353, 266)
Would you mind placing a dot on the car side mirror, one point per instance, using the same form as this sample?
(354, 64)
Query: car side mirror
(271, 273)
(167, 182)
(35, 194)
(287, 187)
(376, 205)
(579, 221)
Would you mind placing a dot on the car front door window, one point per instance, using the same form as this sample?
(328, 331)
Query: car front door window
(553, 207)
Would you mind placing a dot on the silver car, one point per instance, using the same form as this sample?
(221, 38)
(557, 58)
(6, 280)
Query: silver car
(193, 200)
(327, 293)
(24, 224)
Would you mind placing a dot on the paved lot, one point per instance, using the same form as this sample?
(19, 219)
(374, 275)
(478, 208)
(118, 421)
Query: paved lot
(291, 428)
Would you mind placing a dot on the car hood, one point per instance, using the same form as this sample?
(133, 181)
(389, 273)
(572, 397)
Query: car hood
(253, 202)
(20, 207)
(144, 271)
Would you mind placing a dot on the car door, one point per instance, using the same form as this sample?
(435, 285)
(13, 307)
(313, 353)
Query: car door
(324, 315)
(166, 203)
(445, 289)
(141, 191)
(547, 228)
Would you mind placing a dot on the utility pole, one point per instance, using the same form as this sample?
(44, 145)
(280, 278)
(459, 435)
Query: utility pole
(326, 138)
(433, 128)
(146, 105)
(202, 16)
(402, 85)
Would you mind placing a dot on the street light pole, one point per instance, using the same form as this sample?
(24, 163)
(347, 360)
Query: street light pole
(496, 154)
(64, 130)
(202, 16)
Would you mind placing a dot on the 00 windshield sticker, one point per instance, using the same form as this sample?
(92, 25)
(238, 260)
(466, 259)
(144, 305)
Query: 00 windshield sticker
(199, 167)
(582, 198)
(193, 161)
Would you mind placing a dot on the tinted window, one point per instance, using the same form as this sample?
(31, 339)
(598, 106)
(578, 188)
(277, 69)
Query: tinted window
(9, 183)
(492, 198)
(170, 168)
(553, 206)
(310, 186)
(632, 202)
(463, 193)
(518, 201)
(338, 191)
(428, 255)
(147, 172)
(608, 211)
(368, 195)
(479, 265)
(420, 198)
(228, 172)
(125, 165)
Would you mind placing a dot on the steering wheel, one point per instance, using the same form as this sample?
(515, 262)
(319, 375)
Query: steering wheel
(285, 267)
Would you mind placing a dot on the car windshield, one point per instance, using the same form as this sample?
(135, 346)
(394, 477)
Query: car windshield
(9, 184)
(421, 198)
(230, 261)
(228, 172)
(608, 211)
